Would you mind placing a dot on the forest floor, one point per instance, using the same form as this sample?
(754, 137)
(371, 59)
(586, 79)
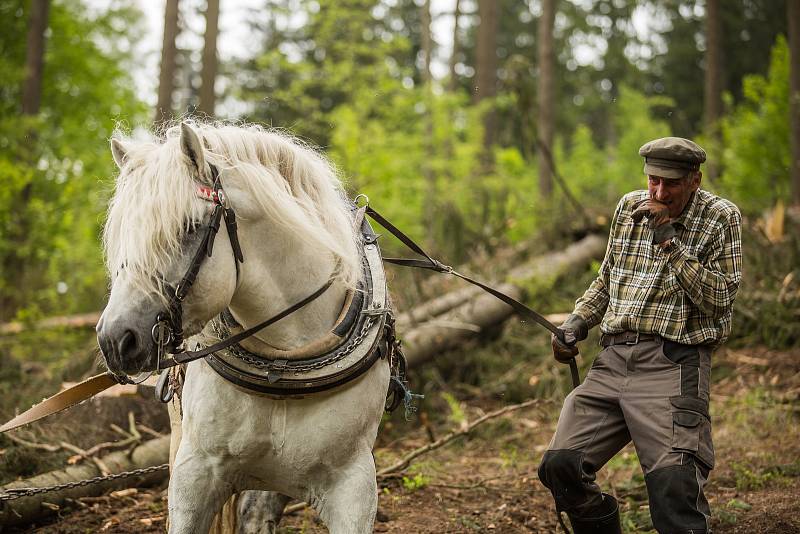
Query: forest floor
(486, 481)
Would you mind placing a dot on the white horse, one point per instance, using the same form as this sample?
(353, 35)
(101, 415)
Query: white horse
(296, 231)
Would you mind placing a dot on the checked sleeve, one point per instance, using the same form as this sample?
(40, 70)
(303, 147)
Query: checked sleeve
(712, 285)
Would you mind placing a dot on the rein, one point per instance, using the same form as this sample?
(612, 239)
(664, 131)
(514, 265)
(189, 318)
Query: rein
(187, 356)
(432, 264)
(168, 332)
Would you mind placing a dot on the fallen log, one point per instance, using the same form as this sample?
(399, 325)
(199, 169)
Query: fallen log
(470, 318)
(83, 320)
(437, 306)
(30, 508)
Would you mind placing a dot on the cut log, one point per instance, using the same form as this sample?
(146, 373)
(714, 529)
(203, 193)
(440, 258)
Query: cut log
(469, 319)
(28, 509)
(437, 306)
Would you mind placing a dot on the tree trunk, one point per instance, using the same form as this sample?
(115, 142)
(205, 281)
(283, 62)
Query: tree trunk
(427, 166)
(453, 82)
(209, 72)
(34, 60)
(713, 84)
(793, 12)
(28, 509)
(81, 320)
(546, 96)
(166, 79)
(486, 68)
(16, 262)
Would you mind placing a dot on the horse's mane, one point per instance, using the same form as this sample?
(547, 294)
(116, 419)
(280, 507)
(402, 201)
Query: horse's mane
(155, 198)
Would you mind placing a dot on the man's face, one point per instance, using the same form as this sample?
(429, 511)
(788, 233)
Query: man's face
(675, 193)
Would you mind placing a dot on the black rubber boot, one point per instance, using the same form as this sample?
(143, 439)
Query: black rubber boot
(604, 520)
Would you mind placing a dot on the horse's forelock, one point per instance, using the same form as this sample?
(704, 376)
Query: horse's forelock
(153, 200)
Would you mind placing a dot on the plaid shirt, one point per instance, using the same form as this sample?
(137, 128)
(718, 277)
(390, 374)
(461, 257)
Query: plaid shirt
(685, 294)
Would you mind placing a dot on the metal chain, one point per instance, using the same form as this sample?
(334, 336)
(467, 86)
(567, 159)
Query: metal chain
(18, 493)
(265, 365)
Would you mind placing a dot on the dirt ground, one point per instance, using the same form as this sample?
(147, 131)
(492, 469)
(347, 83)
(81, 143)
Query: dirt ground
(486, 482)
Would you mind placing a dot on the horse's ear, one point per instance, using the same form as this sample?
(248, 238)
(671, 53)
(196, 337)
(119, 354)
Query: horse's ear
(119, 152)
(193, 148)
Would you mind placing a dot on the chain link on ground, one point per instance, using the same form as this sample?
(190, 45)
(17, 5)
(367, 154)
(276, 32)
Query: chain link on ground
(12, 494)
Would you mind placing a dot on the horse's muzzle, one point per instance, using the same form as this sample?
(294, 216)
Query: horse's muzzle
(125, 350)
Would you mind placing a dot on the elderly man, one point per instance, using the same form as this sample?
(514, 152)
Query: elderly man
(663, 300)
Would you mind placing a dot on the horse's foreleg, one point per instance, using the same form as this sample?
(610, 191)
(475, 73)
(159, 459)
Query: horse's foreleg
(196, 494)
(350, 504)
(260, 511)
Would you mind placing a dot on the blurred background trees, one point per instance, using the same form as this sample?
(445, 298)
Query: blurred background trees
(528, 130)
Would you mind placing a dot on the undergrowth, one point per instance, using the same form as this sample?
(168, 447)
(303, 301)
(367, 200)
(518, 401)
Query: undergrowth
(767, 307)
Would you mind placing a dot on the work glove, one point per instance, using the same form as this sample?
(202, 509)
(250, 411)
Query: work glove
(658, 219)
(575, 329)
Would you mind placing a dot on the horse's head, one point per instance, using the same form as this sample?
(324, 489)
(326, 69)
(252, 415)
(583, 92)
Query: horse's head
(157, 228)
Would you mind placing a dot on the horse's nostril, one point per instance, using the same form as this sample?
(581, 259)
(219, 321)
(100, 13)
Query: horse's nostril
(126, 344)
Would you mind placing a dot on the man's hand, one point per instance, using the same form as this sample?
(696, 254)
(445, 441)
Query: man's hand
(657, 213)
(575, 329)
(658, 219)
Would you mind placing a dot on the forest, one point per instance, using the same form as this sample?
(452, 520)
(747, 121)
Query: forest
(500, 135)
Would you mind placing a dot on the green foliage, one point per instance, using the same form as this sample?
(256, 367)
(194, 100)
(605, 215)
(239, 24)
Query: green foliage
(416, 482)
(748, 479)
(738, 504)
(766, 307)
(457, 415)
(52, 164)
(636, 519)
(756, 138)
(600, 175)
(749, 28)
(342, 55)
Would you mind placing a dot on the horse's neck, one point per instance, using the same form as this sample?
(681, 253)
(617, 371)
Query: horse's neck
(278, 272)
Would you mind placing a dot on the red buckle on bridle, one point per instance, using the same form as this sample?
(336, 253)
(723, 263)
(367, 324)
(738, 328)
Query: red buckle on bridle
(217, 196)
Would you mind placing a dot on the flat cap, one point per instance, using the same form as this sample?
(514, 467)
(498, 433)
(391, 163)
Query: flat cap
(671, 157)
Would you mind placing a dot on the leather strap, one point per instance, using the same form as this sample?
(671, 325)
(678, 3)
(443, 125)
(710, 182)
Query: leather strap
(191, 355)
(435, 265)
(627, 337)
(62, 400)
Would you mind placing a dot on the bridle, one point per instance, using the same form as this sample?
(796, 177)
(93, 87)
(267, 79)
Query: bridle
(167, 332)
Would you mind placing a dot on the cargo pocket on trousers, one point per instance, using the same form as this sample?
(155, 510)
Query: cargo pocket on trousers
(691, 430)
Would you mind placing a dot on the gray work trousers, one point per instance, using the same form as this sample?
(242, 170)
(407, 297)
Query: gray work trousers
(656, 393)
